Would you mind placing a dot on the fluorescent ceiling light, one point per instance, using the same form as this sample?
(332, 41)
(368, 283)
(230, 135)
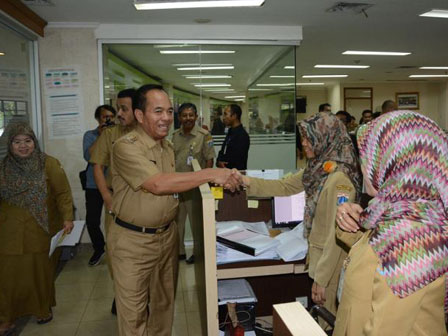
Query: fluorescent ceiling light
(254, 89)
(162, 46)
(179, 52)
(275, 84)
(211, 85)
(289, 67)
(219, 90)
(375, 53)
(235, 97)
(239, 100)
(324, 76)
(434, 68)
(198, 64)
(206, 76)
(326, 66)
(310, 84)
(436, 13)
(206, 68)
(428, 76)
(282, 76)
(2, 54)
(171, 4)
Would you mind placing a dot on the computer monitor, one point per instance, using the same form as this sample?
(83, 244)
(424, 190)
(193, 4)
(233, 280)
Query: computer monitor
(288, 211)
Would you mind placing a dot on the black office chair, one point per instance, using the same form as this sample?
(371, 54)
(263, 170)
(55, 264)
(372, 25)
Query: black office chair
(319, 311)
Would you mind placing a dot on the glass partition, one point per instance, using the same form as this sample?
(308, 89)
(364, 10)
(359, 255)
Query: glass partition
(16, 75)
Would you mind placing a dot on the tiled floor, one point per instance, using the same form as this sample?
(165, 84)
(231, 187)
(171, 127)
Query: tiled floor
(84, 297)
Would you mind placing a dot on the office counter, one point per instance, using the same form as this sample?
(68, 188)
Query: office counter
(273, 281)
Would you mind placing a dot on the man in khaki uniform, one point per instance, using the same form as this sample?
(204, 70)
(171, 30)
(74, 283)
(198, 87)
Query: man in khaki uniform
(190, 142)
(102, 153)
(143, 244)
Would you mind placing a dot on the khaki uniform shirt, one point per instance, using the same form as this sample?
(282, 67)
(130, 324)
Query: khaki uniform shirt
(135, 158)
(324, 248)
(102, 149)
(198, 144)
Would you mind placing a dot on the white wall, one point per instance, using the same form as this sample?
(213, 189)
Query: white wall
(65, 48)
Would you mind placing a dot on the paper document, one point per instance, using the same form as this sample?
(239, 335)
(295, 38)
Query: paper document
(61, 239)
(235, 290)
(293, 246)
(267, 174)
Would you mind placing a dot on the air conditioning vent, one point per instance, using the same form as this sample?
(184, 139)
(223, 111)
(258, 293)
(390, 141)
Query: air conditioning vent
(354, 7)
(407, 67)
(38, 2)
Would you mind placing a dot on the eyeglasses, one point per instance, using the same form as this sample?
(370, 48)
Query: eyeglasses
(27, 142)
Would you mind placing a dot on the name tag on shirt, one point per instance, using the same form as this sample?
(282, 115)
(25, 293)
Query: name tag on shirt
(189, 160)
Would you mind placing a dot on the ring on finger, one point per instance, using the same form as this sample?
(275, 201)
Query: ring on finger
(340, 218)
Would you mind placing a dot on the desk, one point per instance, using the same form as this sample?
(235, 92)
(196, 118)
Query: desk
(273, 281)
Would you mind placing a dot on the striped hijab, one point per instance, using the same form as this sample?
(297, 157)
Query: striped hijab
(331, 142)
(405, 157)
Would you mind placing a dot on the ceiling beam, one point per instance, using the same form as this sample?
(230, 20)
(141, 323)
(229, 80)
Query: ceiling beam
(21, 13)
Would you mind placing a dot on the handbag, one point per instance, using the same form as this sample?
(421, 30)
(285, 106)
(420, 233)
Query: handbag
(83, 177)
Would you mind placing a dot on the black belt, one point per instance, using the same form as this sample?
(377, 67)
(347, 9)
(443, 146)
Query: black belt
(141, 228)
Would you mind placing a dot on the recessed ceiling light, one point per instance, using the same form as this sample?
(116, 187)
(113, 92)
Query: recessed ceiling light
(207, 76)
(324, 76)
(180, 52)
(254, 89)
(281, 76)
(434, 68)
(436, 13)
(207, 68)
(289, 67)
(235, 97)
(2, 54)
(275, 84)
(428, 76)
(211, 85)
(326, 66)
(310, 84)
(171, 4)
(375, 53)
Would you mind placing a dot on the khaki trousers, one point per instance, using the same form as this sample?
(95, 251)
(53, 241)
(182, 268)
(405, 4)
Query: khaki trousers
(144, 265)
(368, 306)
(108, 220)
(185, 209)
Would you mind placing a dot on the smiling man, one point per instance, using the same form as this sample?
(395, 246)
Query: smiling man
(143, 243)
(190, 142)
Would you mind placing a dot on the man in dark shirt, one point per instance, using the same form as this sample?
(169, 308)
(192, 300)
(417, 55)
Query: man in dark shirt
(235, 148)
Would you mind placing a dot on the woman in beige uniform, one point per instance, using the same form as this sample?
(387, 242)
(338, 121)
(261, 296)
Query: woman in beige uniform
(330, 178)
(35, 203)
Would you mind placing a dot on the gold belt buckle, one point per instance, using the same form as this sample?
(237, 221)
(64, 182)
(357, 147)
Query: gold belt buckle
(159, 230)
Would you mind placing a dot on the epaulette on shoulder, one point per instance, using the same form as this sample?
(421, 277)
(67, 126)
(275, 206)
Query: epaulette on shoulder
(129, 138)
(203, 131)
(169, 142)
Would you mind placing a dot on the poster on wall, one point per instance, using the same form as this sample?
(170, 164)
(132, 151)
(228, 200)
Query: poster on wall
(63, 102)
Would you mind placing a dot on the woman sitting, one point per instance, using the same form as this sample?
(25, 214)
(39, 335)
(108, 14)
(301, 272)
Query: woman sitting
(35, 203)
(331, 177)
(395, 278)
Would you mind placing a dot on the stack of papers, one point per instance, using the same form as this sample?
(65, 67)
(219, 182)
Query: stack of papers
(267, 174)
(235, 290)
(227, 255)
(250, 238)
(293, 246)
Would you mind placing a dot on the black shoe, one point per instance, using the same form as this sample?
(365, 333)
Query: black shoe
(190, 260)
(96, 258)
(113, 310)
(182, 256)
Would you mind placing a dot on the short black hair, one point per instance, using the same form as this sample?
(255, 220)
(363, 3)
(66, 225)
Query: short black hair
(323, 106)
(127, 93)
(104, 107)
(236, 109)
(186, 106)
(388, 105)
(139, 99)
(367, 111)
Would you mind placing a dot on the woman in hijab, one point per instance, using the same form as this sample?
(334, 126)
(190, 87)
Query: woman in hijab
(35, 203)
(395, 277)
(331, 177)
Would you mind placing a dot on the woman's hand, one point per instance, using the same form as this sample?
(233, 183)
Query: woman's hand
(68, 226)
(347, 216)
(318, 294)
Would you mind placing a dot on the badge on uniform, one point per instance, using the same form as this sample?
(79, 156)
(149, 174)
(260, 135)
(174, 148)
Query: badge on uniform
(189, 160)
(341, 198)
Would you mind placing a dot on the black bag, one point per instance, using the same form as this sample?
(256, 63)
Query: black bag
(83, 177)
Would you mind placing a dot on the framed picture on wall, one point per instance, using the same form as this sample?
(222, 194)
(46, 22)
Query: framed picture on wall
(407, 100)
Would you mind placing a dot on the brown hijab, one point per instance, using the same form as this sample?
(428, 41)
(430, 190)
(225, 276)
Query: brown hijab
(22, 180)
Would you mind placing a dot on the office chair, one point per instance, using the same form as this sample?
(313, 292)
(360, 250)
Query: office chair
(319, 311)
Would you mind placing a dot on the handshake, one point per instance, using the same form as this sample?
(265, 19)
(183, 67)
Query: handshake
(230, 179)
